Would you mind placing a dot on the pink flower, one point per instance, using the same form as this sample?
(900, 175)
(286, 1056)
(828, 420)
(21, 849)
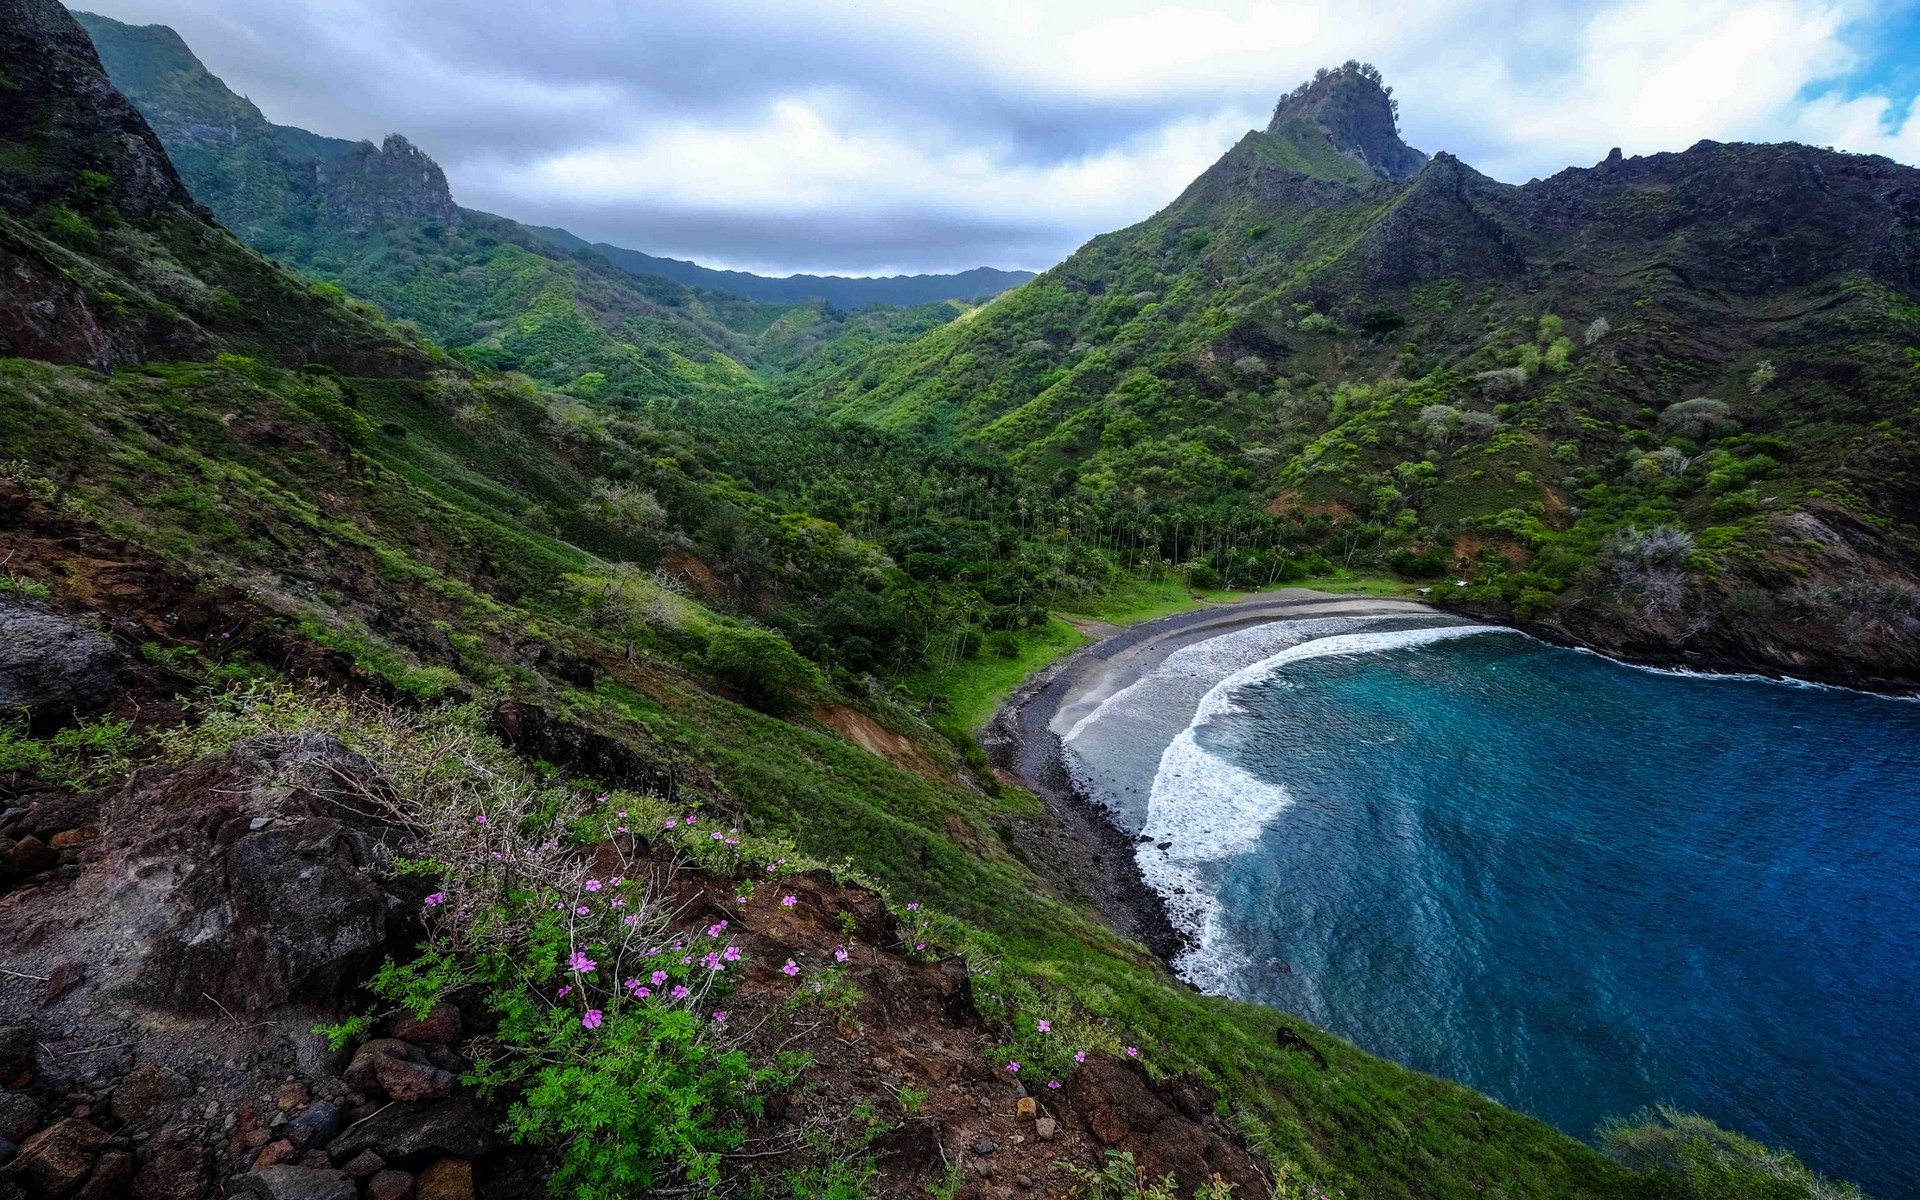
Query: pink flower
(630, 919)
(731, 954)
(581, 911)
(679, 991)
(622, 814)
(1053, 1083)
(913, 906)
(1013, 1066)
(716, 929)
(641, 993)
(671, 825)
(691, 819)
(1045, 1026)
(615, 881)
(438, 898)
(719, 1016)
(1079, 1056)
(787, 901)
(593, 885)
(1133, 1052)
(739, 899)
(717, 836)
(919, 945)
(562, 993)
(616, 902)
(599, 799)
(481, 819)
(659, 977)
(592, 1019)
(631, 984)
(712, 961)
(840, 954)
(790, 969)
(581, 963)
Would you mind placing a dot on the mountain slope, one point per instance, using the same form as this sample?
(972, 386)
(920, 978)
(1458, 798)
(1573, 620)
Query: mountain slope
(839, 290)
(1663, 405)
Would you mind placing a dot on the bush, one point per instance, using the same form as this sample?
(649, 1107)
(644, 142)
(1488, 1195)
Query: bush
(1711, 1163)
(769, 674)
(1417, 564)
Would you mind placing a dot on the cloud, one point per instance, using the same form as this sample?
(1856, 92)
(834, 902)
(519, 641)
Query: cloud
(843, 135)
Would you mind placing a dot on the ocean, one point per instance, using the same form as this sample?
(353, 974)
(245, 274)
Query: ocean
(1580, 887)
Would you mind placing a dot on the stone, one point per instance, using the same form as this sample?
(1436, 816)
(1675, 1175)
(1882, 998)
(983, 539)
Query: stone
(73, 839)
(176, 1170)
(53, 664)
(440, 1027)
(446, 1179)
(1046, 1128)
(390, 1185)
(109, 1177)
(30, 856)
(419, 1131)
(400, 1069)
(984, 1145)
(291, 1096)
(54, 1161)
(1026, 1107)
(364, 1165)
(273, 1154)
(314, 1127)
(147, 1094)
(293, 1183)
(19, 1116)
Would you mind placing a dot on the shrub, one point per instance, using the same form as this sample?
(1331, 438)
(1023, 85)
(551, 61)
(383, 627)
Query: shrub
(1417, 564)
(1698, 418)
(1599, 328)
(765, 668)
(1711, 1163)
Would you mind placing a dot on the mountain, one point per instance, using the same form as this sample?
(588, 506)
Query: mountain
(1664, 405)
(981, 283)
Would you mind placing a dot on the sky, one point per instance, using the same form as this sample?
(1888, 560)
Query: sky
(882, 136)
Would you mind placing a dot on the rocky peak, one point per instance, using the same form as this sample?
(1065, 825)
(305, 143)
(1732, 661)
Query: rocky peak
(1356, 113)
(396, 181)
(62, 117)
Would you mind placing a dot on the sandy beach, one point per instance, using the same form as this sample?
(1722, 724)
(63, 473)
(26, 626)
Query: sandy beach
(1085, 853)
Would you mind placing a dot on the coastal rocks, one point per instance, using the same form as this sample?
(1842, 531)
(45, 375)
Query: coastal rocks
(1171, 1133)
(53, 664)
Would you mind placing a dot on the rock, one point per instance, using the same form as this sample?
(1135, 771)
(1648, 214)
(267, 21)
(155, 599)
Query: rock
(984, 1145)
(177, 1169)
(54, 1161)
(390, 1185)
(53, 664)
(293, 1183)
(1046, 1128)
(147, 1094)
(291, 1096)
(364, 1165)
(1161, 1123)
(274, 1154)
(1025, 1181)
(419, 1132)
(446, 1179)
(314, 1127)
(30, 856)
(19, 1116)
(1026, 1106)
(108, 1179)
(16, 1051)
(400, 1069)
(440, 1027)
(73, 839)
(65, 977)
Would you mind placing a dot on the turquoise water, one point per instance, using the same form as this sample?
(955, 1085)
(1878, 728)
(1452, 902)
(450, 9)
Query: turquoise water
(1579, 887)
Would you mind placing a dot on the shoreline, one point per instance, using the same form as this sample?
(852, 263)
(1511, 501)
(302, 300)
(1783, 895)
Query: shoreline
(1084, 851)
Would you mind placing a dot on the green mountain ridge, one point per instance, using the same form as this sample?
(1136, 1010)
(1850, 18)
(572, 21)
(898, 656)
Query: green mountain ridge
(1421, 367)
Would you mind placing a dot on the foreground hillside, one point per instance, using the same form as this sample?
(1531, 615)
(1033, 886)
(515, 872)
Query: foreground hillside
(1666, 406)
(396, 799)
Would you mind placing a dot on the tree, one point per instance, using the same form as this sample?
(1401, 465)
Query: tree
(765, 669)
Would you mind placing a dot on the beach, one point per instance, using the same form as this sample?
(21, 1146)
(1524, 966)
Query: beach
(1078, 846)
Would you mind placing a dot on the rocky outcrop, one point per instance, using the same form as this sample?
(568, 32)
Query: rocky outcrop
(369, 187)
(1355, 112)
(52, 665)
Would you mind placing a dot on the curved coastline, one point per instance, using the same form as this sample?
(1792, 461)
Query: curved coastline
(1088, 853)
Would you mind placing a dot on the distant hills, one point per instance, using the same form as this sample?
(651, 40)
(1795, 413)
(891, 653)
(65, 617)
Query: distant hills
(844, 291)
(255, 174)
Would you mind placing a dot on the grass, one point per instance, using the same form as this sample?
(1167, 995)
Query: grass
(974, 688)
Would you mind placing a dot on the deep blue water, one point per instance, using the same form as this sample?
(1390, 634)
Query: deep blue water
(1584, 888)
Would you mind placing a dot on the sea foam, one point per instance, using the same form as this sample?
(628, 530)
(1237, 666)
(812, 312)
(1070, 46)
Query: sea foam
(1205, 810)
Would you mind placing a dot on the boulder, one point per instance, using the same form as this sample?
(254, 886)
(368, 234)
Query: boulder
(400, 1069)
(19, 1116)
(293, 1183)
(390, 1185)
(53, 664)
(440, 1027)
(314, 1127)
(275, 1153)
(108, 1179)
(176, 1170)
(364, 1165)
(446, 1179)
(54, 1161)
(147, 1094)
(417, 1133)
(1171, 1132)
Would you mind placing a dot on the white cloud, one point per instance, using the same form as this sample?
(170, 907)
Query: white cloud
(1056, 118)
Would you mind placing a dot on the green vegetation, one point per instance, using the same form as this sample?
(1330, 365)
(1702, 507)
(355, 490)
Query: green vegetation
(1711, 1163)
